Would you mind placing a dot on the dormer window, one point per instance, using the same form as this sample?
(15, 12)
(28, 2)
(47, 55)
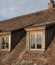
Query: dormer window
(35, 39)
(5, 41)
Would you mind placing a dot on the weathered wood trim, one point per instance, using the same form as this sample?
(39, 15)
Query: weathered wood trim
(4, 34)
(35, 30)
(9, 45)
(27, 41)
(43, 45)
(9, 42)
(43, 40)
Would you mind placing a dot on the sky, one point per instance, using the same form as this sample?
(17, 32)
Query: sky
(14, 8)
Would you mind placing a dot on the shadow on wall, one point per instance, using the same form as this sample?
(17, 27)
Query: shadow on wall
(50, 35)
(16, 36)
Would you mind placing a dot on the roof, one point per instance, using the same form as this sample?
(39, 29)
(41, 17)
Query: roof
(40, 18)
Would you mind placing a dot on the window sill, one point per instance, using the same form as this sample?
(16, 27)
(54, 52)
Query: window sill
(5, 49)
(36, 49)
(37, 52)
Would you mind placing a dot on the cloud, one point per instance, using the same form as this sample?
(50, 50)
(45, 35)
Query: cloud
(12, 8)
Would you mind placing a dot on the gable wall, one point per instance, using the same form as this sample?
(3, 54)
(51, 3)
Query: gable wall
(49, 35)
(16, 36)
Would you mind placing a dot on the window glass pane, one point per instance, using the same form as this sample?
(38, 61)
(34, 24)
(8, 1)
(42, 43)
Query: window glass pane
(7, 45)
(32, 41)
(3, 47)
(7, 39)
(38, 35)
(38, 46)
(38, 40)
(5, 42)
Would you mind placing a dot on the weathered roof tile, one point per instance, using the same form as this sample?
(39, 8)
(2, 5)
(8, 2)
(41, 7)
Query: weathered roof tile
(44, 17)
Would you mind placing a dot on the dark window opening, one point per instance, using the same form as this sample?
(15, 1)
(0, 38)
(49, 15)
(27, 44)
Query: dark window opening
(38, 46)
(33, 46)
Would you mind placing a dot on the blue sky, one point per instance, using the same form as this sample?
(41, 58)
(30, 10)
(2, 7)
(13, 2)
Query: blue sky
(13, 8)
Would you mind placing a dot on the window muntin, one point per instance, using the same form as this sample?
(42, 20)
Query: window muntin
(36, 40)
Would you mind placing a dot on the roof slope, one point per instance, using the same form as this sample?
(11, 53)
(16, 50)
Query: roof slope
(15, 53)
(39, 18)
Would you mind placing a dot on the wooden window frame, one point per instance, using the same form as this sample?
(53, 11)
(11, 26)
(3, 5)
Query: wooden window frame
(9, 36)
(36, 49)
